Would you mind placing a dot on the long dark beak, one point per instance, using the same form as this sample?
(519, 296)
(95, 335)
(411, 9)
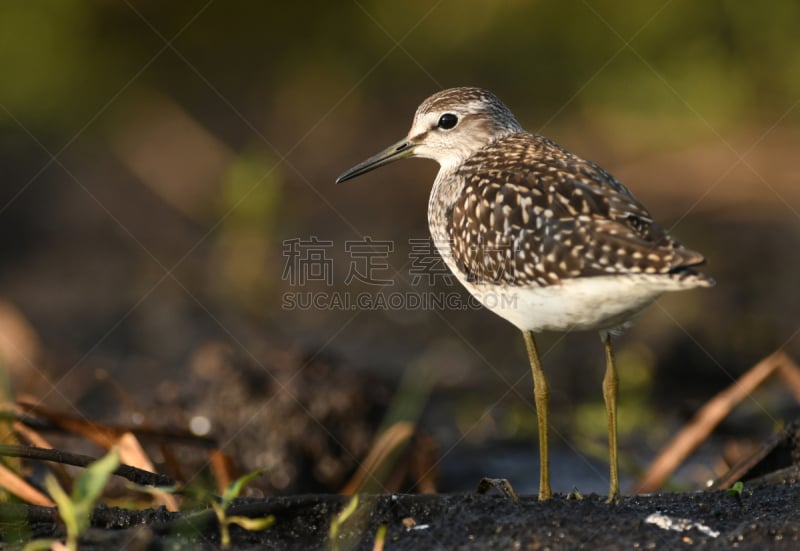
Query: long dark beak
(399, 150)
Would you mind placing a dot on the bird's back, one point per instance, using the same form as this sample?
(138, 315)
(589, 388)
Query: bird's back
(529, 213)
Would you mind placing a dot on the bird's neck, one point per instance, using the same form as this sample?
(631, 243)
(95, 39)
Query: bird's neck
(446, 189)
(448, 186)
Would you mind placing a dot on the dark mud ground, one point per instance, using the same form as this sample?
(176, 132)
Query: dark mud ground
(764, 518)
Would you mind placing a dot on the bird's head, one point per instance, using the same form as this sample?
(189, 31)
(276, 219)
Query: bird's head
(448, 127)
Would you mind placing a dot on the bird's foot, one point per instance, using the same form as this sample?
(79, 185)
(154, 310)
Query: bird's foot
(614, 499)
(500, 484)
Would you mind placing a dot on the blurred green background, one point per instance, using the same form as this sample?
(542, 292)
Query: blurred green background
(155, 158)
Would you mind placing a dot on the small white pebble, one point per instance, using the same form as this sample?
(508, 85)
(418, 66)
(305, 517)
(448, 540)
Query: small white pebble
(667, 522)
(200, 425)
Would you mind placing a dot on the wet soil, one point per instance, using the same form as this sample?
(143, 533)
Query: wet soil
(758, 518)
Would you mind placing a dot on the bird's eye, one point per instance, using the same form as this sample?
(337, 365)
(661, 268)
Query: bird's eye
(447, 121)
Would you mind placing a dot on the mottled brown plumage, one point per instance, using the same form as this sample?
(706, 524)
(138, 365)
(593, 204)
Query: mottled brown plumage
(531, 213)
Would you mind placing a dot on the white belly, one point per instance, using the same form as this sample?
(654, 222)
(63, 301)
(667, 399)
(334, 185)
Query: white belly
(579, 304)
(589, 303)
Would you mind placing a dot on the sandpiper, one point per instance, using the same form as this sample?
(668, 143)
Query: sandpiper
(543, 238)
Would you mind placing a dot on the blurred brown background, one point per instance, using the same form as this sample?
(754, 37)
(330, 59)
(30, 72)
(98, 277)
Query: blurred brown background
(156, 158)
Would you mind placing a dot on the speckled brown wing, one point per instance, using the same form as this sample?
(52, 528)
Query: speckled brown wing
(531, 213)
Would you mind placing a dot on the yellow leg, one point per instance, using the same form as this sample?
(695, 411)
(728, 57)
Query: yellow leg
(541, 395)
(610, 388)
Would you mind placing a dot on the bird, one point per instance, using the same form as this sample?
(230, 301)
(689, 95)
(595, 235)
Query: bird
(540, 236)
